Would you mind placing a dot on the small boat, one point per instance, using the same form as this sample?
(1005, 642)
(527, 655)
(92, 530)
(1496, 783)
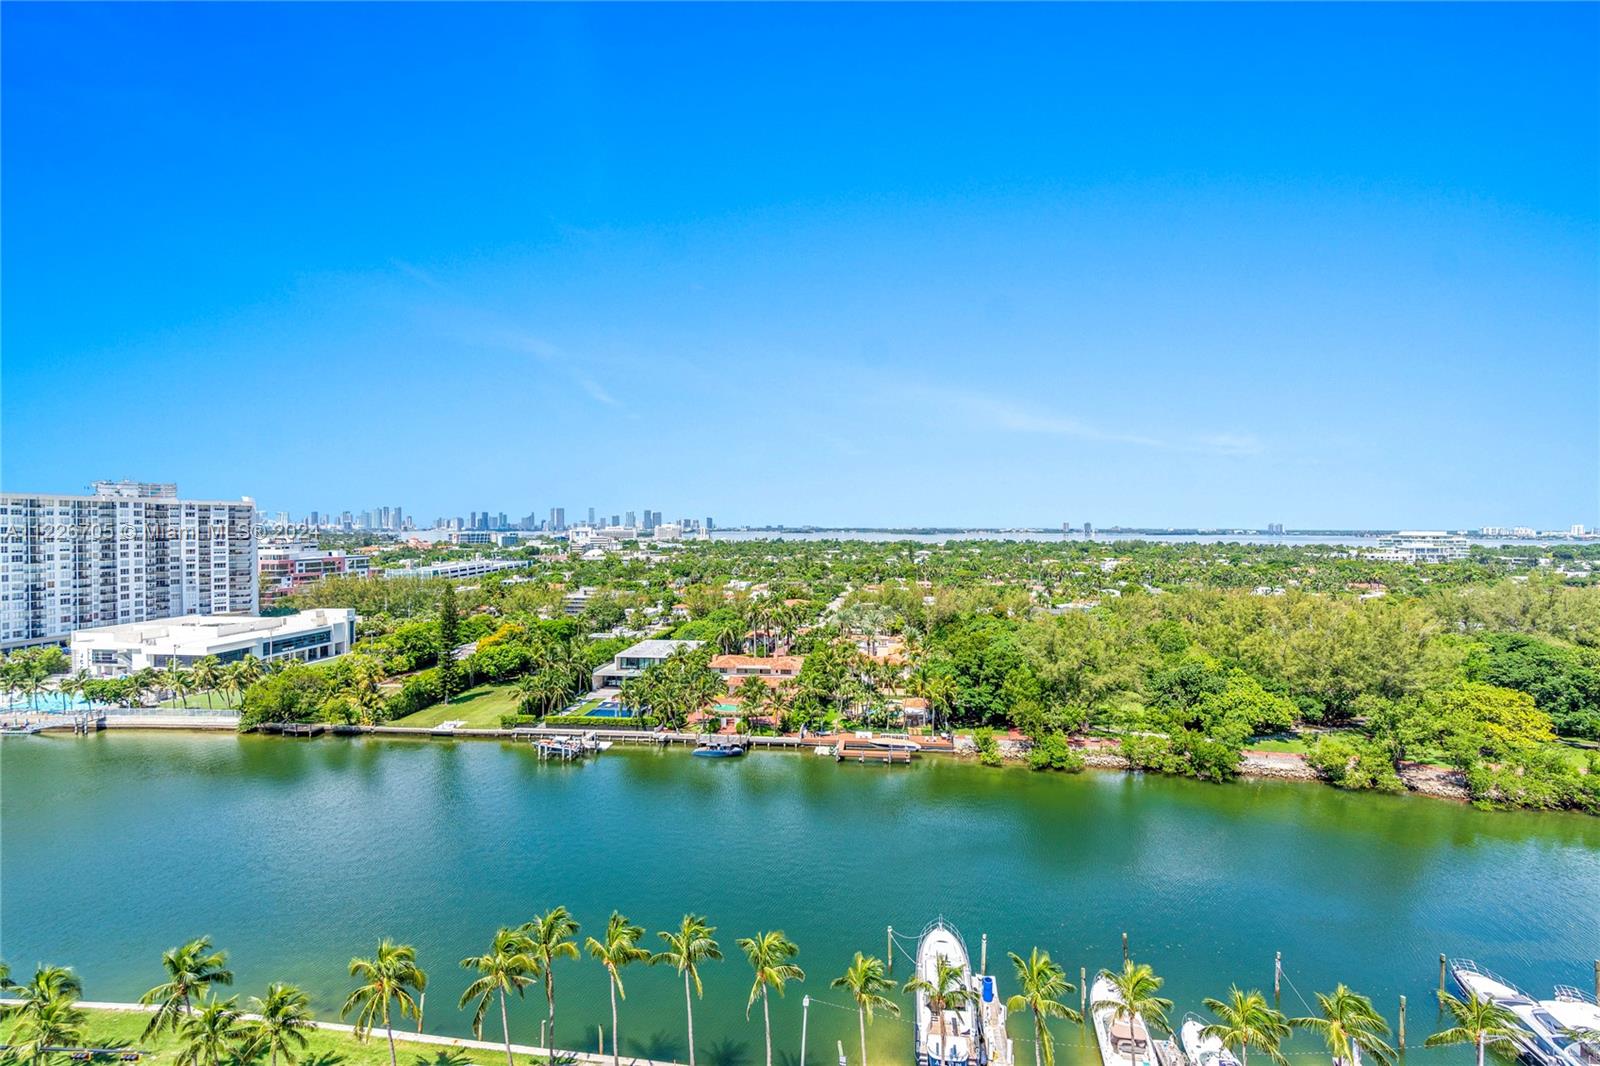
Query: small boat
(721, 747)
(1202, 1050)
(1124, 1041)
(972, 1035)
(1546, 1028)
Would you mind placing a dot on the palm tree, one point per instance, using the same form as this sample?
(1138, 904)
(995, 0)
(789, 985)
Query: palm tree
(251, 670)
(686, 950)
(507, 967)
(769, 955)
(233, 682)
(1134, 990)
(946, 992)
(553, 937)
(620, 948)
(72, 686)
(48, 1014)
(392, 974)
(867, 984)
(527, 687)
(1246, 1020)
(1350, 1026)
(1043, 983)
(191, 969)
(283, 1017)
(207, 675)
(213, 1035)
(1479, 1022)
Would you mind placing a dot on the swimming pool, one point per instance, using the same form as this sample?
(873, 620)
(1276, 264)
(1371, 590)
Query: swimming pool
(610, 709)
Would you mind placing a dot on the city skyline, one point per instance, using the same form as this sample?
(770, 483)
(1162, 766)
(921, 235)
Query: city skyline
(1145, 271)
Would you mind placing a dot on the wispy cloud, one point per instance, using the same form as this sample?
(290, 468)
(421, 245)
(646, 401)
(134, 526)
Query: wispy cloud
(1228, 444)
(1000, 414)
(514, 340)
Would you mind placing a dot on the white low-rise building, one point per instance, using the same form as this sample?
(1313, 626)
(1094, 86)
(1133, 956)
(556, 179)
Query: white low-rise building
(1420, 546)
(115, 651)
(458, 568)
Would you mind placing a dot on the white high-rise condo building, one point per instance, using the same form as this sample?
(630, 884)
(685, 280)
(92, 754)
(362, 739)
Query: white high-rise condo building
(128, 552)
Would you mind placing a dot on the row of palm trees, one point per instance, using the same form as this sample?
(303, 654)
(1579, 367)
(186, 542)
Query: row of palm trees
(209, 676)
(1350, 1026)
(211, 1031)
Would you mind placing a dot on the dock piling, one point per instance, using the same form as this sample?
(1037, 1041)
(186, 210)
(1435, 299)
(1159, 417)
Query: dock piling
(1441, 971)
(1083, 994)
(1402, 1023)
(891, 956)
(600, 1040)
(983, 954)
(1277, 974)
(1124, 947)
(1597, 979)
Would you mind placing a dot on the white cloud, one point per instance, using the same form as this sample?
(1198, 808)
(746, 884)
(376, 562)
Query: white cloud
(997, 413)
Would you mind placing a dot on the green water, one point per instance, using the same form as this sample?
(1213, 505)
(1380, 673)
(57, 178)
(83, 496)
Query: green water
(295, 855)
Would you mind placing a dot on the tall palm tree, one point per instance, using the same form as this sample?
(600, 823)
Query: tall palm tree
(212, 1035)
(48, 1014)
(390, 975)
(866, 983)
(251, 670)
(207, 675)
(769, 954)
(508, 966)
(1479, 1022)
(620, 948)
(47, 982)
(1042, 982)
(553, 935)
(283, 1016)
(686, 949)
(1247, 1020)
(72, 686)
(1134, 989)
(948, 990)
(191, 969)
(1350, 1025)
(233, 682)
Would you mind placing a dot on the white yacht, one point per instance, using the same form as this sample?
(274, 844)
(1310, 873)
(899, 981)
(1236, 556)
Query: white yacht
(1200, 1049)
(970, 1035)
(1548, 1028)
(1125, 1042)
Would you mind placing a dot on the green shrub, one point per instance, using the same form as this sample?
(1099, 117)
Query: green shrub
(421, 690)
(518, 721)
(1355, 764)
(1052, 752)
(988, 747)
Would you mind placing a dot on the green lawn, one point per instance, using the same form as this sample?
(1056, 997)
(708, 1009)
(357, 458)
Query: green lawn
(479, 707)
(1297, 743)
(108, 1028)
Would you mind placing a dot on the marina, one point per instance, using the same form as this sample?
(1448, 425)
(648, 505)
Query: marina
(960, 1015)
(436, 843)
(1127, 1039)
(1562, 1030)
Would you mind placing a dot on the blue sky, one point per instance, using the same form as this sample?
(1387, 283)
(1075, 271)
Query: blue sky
(1323, 265)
